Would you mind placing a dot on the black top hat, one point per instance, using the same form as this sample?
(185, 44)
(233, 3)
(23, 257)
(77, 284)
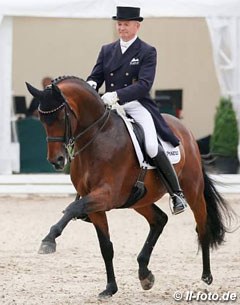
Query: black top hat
(128, 13)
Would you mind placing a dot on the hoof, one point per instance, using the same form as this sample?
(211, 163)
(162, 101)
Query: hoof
(207, 278)
(104, 295)
(108, 292)
(148, 282)
(47, 247)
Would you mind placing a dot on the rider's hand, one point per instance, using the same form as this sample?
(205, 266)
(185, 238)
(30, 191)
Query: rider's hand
(93, 84)
(110, 98)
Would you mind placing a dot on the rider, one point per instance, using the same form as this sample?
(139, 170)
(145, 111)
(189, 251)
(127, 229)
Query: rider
(128, 68)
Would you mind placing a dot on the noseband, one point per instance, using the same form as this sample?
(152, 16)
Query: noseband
(68, 139)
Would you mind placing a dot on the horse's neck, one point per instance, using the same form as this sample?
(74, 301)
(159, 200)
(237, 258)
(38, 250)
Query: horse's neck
(88, 108)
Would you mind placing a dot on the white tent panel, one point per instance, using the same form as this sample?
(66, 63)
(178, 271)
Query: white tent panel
(188, 8)
(5, 94)
(225, 37)
(60, 8)
(106, 8)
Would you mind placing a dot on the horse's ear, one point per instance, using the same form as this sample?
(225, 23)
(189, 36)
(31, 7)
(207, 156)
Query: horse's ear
(35, 92)
(56, 91)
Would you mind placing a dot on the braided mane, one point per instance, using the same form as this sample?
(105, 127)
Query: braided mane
(58, 79)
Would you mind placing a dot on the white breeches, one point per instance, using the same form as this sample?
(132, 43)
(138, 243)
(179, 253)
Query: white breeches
(141, 115)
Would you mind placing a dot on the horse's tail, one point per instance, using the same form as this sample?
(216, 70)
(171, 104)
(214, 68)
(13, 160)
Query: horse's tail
(219, 214)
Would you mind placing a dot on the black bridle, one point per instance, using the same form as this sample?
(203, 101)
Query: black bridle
(68, 139)
(68, 129)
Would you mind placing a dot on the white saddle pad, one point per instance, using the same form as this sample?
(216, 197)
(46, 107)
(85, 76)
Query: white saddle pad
(173, 153)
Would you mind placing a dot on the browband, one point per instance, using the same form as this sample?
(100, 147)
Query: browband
(50, 111)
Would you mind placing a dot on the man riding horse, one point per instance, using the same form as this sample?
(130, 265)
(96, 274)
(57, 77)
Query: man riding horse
(128, 68)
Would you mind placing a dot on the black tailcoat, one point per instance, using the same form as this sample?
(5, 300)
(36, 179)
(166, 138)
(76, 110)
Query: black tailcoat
(131, 75)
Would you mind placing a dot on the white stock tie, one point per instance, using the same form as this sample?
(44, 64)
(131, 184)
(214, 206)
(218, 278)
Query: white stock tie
(124, 46)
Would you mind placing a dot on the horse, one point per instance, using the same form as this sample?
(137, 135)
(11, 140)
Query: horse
(104, 169)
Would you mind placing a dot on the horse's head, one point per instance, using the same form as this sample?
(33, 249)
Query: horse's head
(55, 114)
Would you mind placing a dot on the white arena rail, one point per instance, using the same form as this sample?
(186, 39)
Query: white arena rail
(60, 184)
(36, 184)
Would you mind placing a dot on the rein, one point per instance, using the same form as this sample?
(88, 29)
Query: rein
(71, 143)
(68, 139)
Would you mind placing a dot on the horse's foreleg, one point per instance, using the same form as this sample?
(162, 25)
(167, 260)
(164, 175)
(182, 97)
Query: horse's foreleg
(48, 244)
(94, 205)
(76, 209)
(157, 219)
(100, 222)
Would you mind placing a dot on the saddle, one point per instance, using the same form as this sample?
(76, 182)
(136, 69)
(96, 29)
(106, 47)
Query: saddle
(137, 136)
(139, 190)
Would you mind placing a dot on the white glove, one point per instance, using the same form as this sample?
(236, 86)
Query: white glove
(93, 84)
(110, 98)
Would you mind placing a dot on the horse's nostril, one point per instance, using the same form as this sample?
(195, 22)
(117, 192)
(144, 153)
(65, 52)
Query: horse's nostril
(60, 160)
(58, 163)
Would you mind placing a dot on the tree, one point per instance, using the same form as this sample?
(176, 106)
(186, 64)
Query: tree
(224, 140)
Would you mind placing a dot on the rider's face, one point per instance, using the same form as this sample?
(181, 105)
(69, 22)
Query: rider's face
(127, 29)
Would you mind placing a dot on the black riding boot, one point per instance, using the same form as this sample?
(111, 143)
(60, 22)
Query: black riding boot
(168, 175)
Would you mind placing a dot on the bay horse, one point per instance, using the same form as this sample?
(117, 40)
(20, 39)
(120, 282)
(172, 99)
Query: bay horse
(104, 169)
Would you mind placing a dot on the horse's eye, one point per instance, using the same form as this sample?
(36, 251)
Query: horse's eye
(61, 116)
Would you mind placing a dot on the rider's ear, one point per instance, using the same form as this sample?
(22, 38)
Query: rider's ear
(35, 92)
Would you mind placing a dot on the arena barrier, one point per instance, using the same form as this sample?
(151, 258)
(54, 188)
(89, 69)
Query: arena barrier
(52, 184)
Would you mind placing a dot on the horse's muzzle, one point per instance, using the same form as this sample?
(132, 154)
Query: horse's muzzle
(58, 163)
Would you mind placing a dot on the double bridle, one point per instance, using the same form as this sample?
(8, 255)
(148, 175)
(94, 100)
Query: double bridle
(68, 139)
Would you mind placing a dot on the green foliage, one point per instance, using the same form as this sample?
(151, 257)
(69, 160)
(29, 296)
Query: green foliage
(224, 140)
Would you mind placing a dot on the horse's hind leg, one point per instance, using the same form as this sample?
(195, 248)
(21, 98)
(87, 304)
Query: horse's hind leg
(200, 214)
(210, 215)
(157, 219)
